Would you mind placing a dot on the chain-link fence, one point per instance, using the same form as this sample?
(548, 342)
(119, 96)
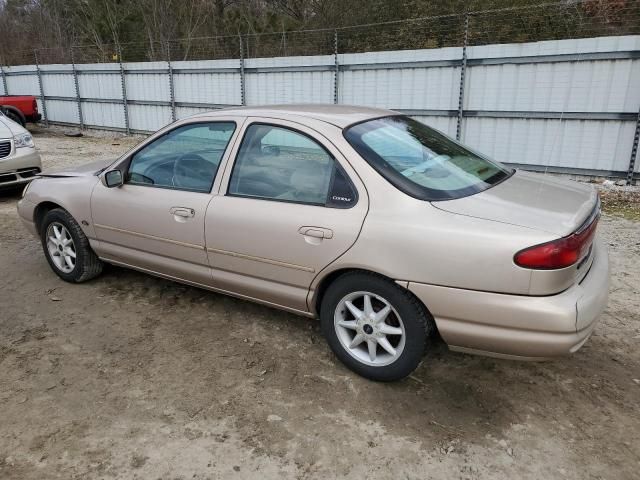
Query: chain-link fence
(569, 19)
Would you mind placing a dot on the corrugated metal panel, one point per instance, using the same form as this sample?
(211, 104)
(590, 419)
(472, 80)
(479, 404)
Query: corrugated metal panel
(103, 114)
(602, 86)
(556, 47)
(419, 88)
(414, 88)
(62, 111)
(308, 60)
(599, 145)
(100, 85)
(289, 87)
(147, 86)
(368, 58)
(148, 117)
(22, 84)
(58, 85)
(144, 65)
(215, 88)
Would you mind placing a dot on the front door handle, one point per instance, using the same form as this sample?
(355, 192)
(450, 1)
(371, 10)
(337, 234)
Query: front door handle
(183, 212)
(316, 232)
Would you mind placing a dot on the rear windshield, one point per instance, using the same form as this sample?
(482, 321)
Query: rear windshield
(421, 161)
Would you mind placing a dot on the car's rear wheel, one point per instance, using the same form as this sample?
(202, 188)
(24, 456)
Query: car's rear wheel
(67, 248)
(374, 326)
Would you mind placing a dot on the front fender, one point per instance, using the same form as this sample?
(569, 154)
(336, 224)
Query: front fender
(70, 193)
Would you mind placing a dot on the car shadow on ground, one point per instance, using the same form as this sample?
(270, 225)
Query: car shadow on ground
(269, 351)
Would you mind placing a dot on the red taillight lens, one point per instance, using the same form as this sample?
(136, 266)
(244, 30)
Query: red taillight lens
(560, 253)
(35, 106)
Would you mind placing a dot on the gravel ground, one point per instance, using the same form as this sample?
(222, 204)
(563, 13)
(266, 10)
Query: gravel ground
(130, 376)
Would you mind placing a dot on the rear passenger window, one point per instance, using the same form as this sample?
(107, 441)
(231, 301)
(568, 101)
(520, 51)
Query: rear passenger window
(277, 163)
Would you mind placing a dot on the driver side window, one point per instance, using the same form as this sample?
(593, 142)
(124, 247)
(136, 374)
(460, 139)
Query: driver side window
(186, 158)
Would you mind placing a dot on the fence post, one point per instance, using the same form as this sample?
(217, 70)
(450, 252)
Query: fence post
(634, 151)
(4, 80)
(124, 92)
(243, 98)
(463, 71)
(171, 88)
(44, 102)
(336, 70)
(77, 86)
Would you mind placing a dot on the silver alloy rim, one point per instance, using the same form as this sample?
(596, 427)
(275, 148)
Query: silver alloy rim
(62, 250)
(369, 329)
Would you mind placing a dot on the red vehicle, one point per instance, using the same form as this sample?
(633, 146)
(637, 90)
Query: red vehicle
(20, 108)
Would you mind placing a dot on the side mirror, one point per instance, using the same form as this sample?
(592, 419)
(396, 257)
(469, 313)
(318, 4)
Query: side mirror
(113, 178)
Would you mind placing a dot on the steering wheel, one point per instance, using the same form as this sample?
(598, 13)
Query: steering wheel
(192, 171)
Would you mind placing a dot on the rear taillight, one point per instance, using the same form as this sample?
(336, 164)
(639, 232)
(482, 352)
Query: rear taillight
(35, 106)
(560, 253)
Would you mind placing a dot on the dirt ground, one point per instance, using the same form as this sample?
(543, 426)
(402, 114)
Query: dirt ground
(130, 376)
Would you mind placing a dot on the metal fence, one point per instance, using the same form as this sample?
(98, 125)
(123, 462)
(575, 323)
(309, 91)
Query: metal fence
(570, 106)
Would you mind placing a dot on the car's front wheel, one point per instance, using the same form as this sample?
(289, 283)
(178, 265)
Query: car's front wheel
(375, 327)
(67, 248)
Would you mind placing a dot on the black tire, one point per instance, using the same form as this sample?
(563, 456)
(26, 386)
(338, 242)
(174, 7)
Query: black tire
(15, 117)
(418, 324)
(87, 264)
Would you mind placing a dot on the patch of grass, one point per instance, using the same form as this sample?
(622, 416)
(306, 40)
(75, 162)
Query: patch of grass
(627, 212)
(623, 203)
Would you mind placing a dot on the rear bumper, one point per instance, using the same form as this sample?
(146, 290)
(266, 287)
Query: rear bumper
(35, 117)
(19, 168)
(520, 327)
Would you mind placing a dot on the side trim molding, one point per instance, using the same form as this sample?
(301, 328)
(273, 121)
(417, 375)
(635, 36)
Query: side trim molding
(150, 237)
(208, 287)
(262, 259)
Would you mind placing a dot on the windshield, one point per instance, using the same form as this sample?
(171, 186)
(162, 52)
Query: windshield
(421, 161)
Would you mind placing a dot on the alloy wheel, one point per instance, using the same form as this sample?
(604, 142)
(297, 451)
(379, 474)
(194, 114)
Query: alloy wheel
(369, 328)
(61, 248)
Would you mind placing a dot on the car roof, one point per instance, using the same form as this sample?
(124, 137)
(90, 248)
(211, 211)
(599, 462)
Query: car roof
(338, 115)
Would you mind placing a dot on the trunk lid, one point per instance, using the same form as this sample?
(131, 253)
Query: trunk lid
(530, 200)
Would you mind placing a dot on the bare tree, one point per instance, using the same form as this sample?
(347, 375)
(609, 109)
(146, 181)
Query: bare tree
(102, 22)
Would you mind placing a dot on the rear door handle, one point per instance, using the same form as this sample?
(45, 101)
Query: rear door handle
(183, 212)
(316, 232)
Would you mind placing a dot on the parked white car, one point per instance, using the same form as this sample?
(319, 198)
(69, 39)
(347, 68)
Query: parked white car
(19, 160)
